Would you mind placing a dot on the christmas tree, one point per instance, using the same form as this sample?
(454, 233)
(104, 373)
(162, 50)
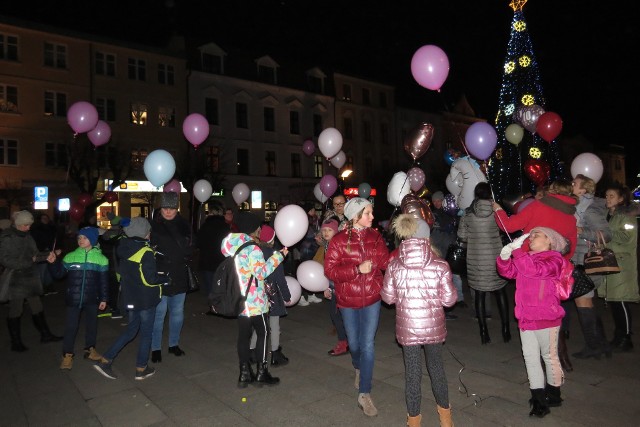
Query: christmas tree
(520, 167)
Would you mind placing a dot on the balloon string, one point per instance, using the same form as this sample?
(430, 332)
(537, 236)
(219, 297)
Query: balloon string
(495, 214)
(477, 400)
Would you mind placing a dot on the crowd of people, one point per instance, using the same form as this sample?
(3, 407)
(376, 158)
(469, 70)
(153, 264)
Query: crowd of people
(140, 267)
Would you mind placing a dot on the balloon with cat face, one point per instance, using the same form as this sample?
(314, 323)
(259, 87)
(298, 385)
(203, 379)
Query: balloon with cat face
(463, 177)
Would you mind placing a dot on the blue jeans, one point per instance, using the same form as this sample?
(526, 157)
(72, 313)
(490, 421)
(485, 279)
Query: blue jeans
(361, 325)
(139, 320)
(72, 323)
(175, 304)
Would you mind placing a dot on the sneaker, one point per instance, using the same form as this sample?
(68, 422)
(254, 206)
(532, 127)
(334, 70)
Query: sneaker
(116, 314)
(145, 373)
(314, 299)
(356, 383)
(303, 302)
(67, 361)
(91, 354)
(104, 313)
(366, 404)
(104, 368)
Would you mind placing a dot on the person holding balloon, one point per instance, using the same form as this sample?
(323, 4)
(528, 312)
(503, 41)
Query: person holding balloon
(355, 260)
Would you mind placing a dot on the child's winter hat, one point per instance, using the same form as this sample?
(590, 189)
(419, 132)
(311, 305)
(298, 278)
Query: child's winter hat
(438, 195)
(267, 234)
(138, 227)
(330, 223)
(247, 222)
(354, 206)
(91, 233)
(558, 242)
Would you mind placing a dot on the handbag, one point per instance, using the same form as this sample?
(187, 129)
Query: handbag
(600, 259)
(271, 289)
(457, 258)
(192, 280)
(582, 283)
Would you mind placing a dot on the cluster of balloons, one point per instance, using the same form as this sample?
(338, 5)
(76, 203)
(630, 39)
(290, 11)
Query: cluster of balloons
(195, 128)
(430, 67)
(82, 116)
(534, 119)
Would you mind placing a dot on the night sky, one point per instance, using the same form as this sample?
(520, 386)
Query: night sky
(585, 50)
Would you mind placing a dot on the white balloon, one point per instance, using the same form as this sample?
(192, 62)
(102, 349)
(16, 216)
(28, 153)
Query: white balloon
(330, 142)
(202, 190)
(240, 192)
(294, 289)
(319, 194)
(587, 164)
(291, 225)
(311, 276)
(463, 177)
(398, 188)
(339, 159)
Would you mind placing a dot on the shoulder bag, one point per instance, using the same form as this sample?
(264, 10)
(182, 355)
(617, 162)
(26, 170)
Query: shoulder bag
(600, 259)
(457, 257)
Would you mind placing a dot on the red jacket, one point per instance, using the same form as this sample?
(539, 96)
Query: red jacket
(539, 214)
(355, 290)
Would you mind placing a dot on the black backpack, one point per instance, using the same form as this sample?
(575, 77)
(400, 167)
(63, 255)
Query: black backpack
(226, 298)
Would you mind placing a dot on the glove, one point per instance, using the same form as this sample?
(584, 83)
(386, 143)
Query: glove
(519, 241)
(505, 253)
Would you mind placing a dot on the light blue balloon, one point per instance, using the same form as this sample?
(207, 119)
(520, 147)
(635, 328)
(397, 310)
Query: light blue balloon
(364, 190)
(159, 167)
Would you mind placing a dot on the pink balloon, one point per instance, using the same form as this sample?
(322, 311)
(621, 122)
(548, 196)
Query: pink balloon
(172, 186)
(291, 225)
(294, 289)
(330, 142)
(416, 178)
(308, 147)
(311, 276)
(328, 185)
(339, 159)
(430, 67)
(481, 139)
(195, 128)
(100, 135)
(82, 117)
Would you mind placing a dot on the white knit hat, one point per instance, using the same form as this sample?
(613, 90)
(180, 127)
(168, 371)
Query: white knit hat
(354, 206)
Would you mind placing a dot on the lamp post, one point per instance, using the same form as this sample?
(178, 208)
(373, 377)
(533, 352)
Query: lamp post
(344, 175)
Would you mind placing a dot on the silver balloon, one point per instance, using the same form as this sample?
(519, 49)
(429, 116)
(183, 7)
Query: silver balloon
(528, 116)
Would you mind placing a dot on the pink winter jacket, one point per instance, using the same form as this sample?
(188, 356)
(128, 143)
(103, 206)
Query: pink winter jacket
(419, 283)
(537, 300)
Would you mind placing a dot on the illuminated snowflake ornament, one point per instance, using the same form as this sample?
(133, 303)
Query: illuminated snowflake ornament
(509, 67)
(524, 61)
(527, 99)
(535, 152)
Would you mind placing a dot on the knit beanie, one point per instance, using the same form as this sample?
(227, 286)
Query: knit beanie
(23, 218)
(169, 199)
(138, 227)
(90, 233)
(247, 222)
(331, 224)
(354, 206)
(558, 242)
(267, 234)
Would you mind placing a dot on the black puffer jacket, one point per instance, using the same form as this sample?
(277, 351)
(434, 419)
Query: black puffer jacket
(172, 241)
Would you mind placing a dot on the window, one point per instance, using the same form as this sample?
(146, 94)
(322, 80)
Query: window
(55, 155)
(366, 130)
(296, 167)
(267, 74)
(165, 74)
(346, 92)
(138, 113)
(270, 159)
(366, 96)
(105, 64)
(294, 122)
(55, 55)
(55, 104)
(383, 100)
(317, 124)
(211, 63)
(242, 120)
(106, 109)
(8, 47)
(315, 84)
(8, 99)
(167, 117)
(8, 152)
(137, 69)
(211, 111)
(138, 155)
(213, 159)
(318, 167)
(243, 161)
(269, 119)
(348, 128)
(384, 133)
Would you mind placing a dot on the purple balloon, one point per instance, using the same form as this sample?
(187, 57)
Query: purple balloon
(449, 205)
(328, 185)
(195, 128)
(308, 147)
(172, 186)
(100, 135)
(481, 139)
(82, 117)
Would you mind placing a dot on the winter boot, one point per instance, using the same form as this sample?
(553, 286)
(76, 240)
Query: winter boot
(90, 353)
(552, 394)
(263, 377)
(625, 345)
(563, 355)
(592, 348)
(246, 375)
(342, 347)
(278, 358)
(604, 344)
(67, 361)
(414, 421)
(14, 331)
(538, 403)
(503, 310)
(43, 328)
(484, 332)
(445, 416)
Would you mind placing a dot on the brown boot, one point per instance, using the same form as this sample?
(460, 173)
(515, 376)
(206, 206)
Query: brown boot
(445, 416)
(414, 421)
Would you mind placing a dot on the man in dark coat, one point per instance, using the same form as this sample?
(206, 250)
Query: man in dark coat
(209, 239)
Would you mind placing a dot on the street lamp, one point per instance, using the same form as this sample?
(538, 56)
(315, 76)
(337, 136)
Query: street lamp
(345, 174)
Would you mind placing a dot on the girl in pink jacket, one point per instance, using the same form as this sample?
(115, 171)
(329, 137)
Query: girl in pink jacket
(419, 283)
(538, 310)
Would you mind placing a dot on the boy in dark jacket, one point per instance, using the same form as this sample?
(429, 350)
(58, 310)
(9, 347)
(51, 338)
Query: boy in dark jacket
(141, 291)
(87, 287)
